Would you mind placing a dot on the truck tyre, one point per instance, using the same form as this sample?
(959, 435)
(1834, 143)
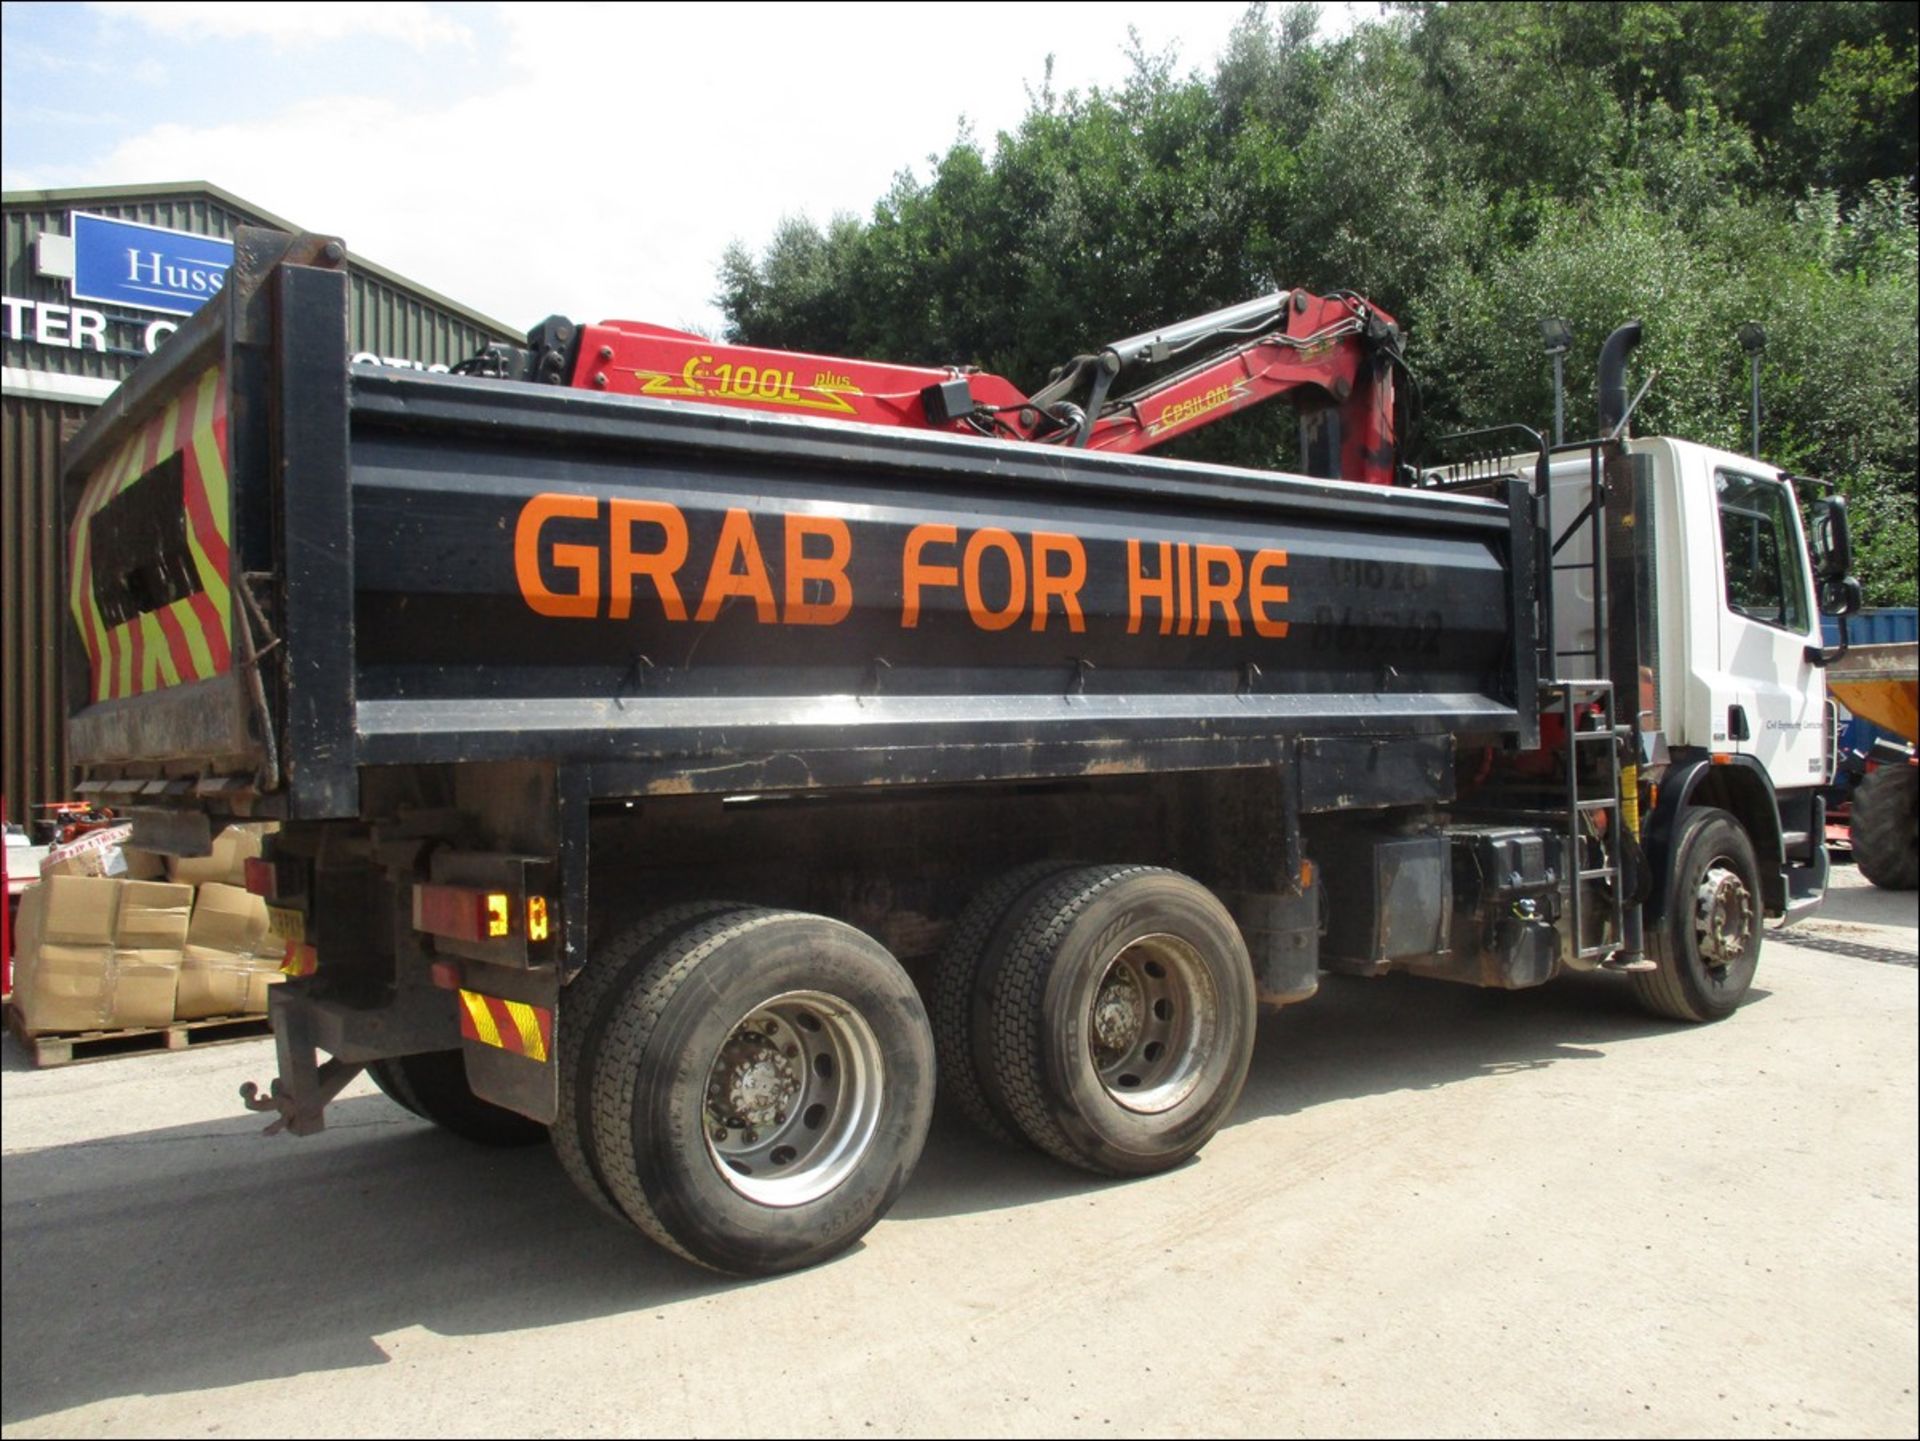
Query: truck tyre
(1118, 1019)
(433, 1085)
(584, 1005)
(386, 1075)
(1884, 827)
(762, 1090)
(973, 936)
(1707, 946)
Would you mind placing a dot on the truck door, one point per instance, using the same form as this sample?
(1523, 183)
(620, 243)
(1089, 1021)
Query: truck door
(1772, 706)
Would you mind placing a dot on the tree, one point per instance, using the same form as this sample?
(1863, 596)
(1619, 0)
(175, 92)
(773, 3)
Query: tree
(1470, 167)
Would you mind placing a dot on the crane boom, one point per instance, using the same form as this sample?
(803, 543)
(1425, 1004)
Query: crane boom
(1332, 356)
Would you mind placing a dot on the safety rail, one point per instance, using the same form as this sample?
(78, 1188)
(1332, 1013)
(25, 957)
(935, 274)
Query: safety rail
(1593, 728)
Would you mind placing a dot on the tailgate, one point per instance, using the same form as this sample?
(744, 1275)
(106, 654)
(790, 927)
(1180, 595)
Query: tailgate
(167, 493)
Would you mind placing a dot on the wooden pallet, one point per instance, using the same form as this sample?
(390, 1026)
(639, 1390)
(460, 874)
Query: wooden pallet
(67, 1049)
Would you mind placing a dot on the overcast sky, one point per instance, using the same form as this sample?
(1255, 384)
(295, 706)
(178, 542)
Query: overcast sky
(591, 160)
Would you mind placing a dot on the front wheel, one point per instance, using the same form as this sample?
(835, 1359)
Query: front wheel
(762, 1090)
(1707, 947)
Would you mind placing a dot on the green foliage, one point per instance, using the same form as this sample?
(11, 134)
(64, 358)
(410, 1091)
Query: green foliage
(1470, 167)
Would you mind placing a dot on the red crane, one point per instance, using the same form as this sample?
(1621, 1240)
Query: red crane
(1333, 356)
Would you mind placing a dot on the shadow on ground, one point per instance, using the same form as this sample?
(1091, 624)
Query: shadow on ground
(1852, 899)
(206, 1256)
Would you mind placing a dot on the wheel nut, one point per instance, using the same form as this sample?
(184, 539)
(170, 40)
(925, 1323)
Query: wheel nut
(792, 1050)
(772, 1025)
(719, 1133)
(750, 1136)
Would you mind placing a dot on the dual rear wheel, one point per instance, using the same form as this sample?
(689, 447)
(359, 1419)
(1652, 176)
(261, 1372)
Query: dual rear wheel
(752, 1088)
(1103, 1014)
(749, 1087)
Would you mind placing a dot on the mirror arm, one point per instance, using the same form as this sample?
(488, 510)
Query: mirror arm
(1824, 656)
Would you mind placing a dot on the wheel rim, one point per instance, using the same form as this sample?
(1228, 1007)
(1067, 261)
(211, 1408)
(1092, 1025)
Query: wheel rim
(1723, 917)
(793, 1098)
(1152, 1023)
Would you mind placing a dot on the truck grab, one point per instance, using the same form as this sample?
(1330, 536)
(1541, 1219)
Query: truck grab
(694, 754)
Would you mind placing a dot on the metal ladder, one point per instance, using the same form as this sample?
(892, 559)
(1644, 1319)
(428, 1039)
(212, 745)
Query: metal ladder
(1568, 693)
(1605, 736)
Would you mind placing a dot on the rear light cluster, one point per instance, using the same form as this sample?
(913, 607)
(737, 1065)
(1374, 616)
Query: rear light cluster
(463, 913)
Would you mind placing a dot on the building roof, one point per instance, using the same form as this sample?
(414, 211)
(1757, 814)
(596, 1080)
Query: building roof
(80, 195)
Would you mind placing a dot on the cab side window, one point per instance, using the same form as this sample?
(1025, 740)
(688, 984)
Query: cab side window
(1766, 578)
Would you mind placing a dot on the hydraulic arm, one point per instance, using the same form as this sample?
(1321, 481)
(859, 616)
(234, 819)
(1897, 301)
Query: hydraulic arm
(1332, 356)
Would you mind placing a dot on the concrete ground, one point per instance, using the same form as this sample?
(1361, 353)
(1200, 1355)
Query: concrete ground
(1436, 1211)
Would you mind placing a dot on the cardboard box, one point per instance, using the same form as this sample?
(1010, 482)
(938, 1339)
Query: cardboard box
(29, 919)
(226, 918)
(232, 849)
(212, 983)
(76, 910)
(144, 865)
(97, 853)
(257, 983)
(153, 916)
(110, 864)
(60, 987)
(70, 977)
(140, 987)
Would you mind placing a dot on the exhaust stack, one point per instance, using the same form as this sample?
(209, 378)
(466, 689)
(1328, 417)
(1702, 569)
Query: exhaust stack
(1613, 375)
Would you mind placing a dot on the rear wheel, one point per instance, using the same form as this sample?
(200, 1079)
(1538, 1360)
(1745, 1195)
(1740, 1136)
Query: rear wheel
(433, 1085)
(762, 1090)
(584, 1007)
(1884, 825)
(973, 937)
(1119, 1012)
(393, 1085)
(1707, 947)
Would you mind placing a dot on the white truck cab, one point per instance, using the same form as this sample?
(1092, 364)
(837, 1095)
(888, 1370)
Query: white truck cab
(1738, 614)
(1733, 701)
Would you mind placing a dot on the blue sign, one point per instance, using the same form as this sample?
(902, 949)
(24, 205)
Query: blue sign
(118, 262)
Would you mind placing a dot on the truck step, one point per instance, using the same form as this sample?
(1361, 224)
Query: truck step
(66, 1049)
(1630, 968)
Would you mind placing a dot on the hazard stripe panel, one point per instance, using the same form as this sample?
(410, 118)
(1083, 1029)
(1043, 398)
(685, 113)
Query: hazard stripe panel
(507, 1025)
(190, 638)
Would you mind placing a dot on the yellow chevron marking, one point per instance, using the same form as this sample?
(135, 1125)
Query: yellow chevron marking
(482, 1017)
(528, 1024)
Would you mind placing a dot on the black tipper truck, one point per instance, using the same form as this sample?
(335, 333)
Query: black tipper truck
(696, 785)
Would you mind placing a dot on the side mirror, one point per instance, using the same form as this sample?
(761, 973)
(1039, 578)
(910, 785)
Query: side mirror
(1841, 597)
(1832, 545)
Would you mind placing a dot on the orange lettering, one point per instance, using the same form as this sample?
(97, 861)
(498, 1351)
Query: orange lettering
(1209, 594)
(830, 568)
(1063, 588)
(657, 565)
(1261, 593)
(915, 574)
(1140, 588)
(737, 543)
(977, 545)
(582, 560)
(1183, 552)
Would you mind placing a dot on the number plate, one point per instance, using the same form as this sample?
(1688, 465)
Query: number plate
(287, 925)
